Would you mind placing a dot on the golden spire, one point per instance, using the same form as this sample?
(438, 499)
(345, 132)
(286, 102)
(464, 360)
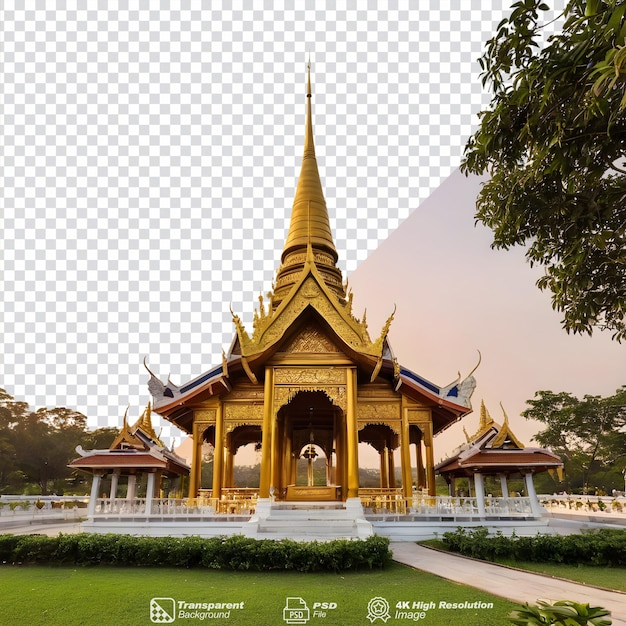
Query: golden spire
(310, 223)
(144, 423)
(485, 418)
(309, 212)
(486, 422)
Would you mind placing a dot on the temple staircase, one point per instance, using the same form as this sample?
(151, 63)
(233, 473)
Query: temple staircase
(309, 521)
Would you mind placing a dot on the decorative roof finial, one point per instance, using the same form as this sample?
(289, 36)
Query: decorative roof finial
(308, 86)
(310, 224)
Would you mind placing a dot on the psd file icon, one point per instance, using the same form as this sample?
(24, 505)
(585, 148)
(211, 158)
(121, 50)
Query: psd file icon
(296, 611)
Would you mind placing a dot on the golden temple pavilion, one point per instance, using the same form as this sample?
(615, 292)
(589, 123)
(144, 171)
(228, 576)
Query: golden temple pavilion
(309, 381)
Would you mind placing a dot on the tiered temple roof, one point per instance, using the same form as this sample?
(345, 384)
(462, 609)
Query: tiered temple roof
(494, 449)
(135, 448)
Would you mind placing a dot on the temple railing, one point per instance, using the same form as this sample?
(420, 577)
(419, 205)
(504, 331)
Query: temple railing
(443, 506)
(174, 507)
(589, 504)
(38, 507)
(384, 502)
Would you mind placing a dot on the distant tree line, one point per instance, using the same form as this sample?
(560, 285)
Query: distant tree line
(589, 435)
(37, 445)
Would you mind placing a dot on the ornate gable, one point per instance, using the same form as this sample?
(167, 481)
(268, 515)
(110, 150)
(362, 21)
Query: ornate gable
(311, 292)
(311, 339)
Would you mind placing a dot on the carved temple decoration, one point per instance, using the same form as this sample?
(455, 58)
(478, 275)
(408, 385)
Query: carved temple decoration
(229, 427)
(376, 411)
(245, 413)
(311, 340)
(309, 375)
(207, 416)
(251, 393)
(336, 394)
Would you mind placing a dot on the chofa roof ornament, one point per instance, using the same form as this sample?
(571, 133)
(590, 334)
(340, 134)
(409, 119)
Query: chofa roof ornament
(461, 390)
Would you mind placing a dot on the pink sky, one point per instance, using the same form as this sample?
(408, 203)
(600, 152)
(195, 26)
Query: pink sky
(455, 295)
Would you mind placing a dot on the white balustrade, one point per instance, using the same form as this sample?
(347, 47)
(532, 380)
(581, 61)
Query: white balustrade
(445, 506)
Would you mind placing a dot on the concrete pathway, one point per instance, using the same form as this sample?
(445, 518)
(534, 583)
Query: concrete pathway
(507, 582)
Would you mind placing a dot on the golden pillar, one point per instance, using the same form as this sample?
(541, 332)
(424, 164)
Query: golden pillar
(340, 460)
(266, 437)
(329, 470)
(384, 466)
(229, 468)
(392, 468)
(286, 459)
(405, 452)
(218, 454)
(430, 461)
(352, 435)
(421, 475)
(196, 460)
(293, 467)
(276, 456)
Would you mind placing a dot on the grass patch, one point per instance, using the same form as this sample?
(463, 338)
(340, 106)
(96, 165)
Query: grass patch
(606, 577)
(121, 596)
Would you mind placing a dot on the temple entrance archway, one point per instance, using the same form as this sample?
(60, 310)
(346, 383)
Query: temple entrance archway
(385, 441)
(238, 438)
(309, 428)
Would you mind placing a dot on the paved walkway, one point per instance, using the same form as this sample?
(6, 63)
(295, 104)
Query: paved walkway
(507, 582)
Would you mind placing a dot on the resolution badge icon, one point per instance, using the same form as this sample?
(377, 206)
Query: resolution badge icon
(378, 608)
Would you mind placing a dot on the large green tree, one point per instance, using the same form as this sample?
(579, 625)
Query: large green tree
(36, 446)
(552, 143)
(588, 434)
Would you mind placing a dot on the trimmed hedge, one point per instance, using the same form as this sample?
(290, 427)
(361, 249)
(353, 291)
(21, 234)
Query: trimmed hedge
(231, 553)
(605, 547)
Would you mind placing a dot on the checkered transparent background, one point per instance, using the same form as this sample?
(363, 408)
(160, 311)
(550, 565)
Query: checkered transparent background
(150, 158)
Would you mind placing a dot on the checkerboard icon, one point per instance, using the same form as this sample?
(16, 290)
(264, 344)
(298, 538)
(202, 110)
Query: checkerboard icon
(162, 610)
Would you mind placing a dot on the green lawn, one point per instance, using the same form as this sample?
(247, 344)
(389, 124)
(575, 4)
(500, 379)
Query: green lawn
(106, 595)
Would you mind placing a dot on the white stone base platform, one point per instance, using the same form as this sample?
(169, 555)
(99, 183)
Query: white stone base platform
(306, 521)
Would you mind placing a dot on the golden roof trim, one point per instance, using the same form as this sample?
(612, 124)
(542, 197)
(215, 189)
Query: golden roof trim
(144, 423)
(505, 431)
(126, 435)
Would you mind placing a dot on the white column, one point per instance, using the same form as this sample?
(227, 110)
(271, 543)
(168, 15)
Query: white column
(504, 485)
(114, 482)
(479, 488)
(131, 492)
(535, 507)
(150, 492)
(95, 488)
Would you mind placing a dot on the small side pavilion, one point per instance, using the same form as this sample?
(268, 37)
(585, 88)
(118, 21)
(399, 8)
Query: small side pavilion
(135, 452)
(495, 451)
